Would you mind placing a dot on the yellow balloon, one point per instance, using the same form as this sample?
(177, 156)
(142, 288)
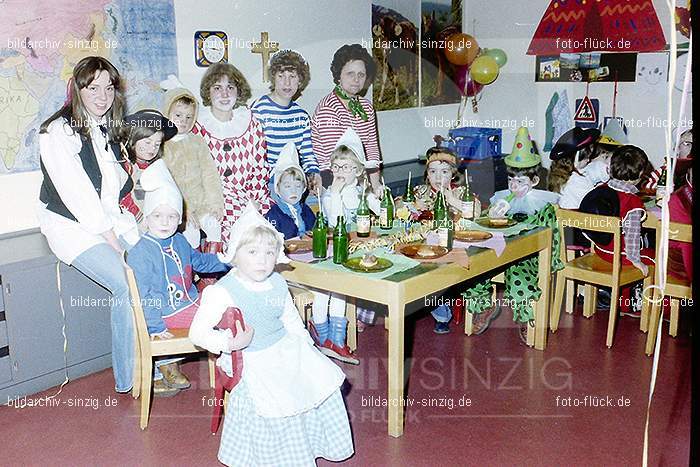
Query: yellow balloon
(484, 69)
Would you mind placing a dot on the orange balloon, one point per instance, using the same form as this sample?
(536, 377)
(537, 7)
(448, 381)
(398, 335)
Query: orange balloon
(461, 49)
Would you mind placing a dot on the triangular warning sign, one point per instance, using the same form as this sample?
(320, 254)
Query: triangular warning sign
(585, 111)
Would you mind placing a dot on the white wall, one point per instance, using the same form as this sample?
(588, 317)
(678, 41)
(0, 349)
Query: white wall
(317, 28)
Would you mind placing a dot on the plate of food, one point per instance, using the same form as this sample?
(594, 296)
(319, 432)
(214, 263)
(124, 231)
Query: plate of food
(423, 251)
(496, 222)
(472, 235)
(367, 263)
(298, 245)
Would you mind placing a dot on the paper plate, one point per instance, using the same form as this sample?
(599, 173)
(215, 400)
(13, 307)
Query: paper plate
(423, 251)
(488, 222)
(472, 235)
(354, 265)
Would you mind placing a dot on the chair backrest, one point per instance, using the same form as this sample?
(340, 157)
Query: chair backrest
(567, 218)
(142, 337)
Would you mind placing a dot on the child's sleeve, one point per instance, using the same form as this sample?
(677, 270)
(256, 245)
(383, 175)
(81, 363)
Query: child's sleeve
(153, 299)
(632, 230)
(332, 205)
(292, 321)
(215, 301)
(209, 175)
(373, 202)
(306, 151)
(258, 176)
(206, 262)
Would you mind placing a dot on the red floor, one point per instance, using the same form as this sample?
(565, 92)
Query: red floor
(517, 413)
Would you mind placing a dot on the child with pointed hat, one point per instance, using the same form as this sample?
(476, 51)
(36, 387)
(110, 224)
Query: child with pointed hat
(342, 198)
(521, 280)
(289, 214)
(522, 165)
(286, 385)
(163, 262)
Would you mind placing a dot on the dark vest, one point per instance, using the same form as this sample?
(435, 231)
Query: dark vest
(604, 201)
(52, 198)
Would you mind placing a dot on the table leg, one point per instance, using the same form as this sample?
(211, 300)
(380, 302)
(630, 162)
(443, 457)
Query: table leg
(396, 359)
(351, 315)
(542, 307)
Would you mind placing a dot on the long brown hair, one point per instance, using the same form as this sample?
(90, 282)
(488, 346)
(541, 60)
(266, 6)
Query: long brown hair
(73, 111)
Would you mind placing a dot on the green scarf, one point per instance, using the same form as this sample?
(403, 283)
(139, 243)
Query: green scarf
(353, 103)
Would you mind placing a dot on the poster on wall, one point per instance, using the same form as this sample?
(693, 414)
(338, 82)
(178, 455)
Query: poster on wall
(587, 67)
(439, 20)
(395, 51)
(137, 36)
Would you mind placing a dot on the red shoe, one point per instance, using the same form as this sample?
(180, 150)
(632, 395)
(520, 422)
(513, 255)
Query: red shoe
(339, 353)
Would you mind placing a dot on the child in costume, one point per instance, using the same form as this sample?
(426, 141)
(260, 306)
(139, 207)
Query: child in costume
(341, 199)
(590, 165)
(194, 171)
(145, 133)
(680, 254)
(287, 408)
(284, 120)
(684, 162)
(290, 215)
(163, 262)
(441, 175)
(521, 279)
(236, 141)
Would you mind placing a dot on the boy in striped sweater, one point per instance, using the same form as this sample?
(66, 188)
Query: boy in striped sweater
(283, 120)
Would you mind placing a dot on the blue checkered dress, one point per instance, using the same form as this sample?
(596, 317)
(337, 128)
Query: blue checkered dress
(251, 440)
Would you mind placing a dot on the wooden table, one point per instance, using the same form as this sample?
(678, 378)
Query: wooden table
(402, 288)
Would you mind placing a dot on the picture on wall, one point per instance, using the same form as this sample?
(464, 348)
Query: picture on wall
(395, 50)
(593, 66)
(439, 20)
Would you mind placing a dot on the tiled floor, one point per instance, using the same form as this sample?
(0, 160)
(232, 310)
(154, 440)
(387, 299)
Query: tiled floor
(481, 400)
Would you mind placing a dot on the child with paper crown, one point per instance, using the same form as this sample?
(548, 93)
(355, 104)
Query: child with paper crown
(187, 156)
(287, 408)
(341, 199)
(289, 214)
(163, 262)
(521, 279)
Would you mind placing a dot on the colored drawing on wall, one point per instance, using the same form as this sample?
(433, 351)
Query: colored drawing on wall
(439, 20)
(587, 67)
(137, 36)
(395, 50)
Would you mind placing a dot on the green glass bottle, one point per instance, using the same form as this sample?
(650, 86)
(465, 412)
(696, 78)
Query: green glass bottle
(467, 200)
(364, 224)
(340, 242)
(409, 197)
(320, 237)
(386, 210)
(443, 222)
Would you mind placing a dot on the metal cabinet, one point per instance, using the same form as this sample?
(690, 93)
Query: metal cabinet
(44, 333)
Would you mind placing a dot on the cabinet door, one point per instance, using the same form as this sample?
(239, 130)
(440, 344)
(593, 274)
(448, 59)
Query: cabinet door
(34, 321)
(87, 307)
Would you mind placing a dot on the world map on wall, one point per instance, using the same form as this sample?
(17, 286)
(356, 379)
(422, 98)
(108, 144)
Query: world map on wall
(43, 40)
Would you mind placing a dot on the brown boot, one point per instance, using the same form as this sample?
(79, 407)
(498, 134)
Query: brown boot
(173, 378)
(161, 389)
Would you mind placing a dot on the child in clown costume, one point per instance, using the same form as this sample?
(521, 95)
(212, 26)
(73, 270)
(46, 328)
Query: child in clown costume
(236, 141)
(287, 408)
(536, 206)
(289, 214)
(163, 262)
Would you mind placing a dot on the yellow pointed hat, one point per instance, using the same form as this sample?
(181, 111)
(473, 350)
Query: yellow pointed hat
(523, 154)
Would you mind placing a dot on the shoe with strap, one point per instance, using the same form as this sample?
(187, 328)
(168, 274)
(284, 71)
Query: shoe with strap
(339, 353)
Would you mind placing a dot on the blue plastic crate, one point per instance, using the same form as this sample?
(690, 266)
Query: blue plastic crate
(475, 143)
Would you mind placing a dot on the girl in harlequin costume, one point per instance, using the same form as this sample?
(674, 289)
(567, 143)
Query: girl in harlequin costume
(145, 132)
(188, 159)
(289, 214)
(536, 206)
(287, 408)
(163, 262)
(235, 140)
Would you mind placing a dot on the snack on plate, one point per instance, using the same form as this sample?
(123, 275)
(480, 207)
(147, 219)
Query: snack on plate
(368, 260)
(498, 221)
(425, 251)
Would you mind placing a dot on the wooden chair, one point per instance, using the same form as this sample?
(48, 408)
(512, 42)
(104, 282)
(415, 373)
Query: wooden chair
(146, 349)
(675, 289)
(593, 270)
